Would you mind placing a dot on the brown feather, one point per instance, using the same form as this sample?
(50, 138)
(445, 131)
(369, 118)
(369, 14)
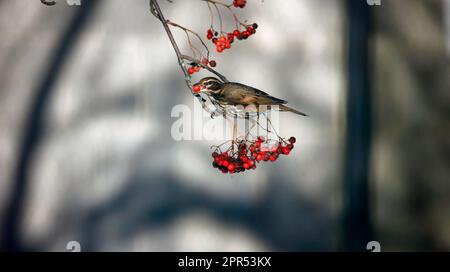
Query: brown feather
(286, 108)
(232, 93)
(236, 93)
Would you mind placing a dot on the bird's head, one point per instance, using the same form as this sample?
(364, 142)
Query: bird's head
(209, 84)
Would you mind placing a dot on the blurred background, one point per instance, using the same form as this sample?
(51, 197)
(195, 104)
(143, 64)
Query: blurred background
(86, 154)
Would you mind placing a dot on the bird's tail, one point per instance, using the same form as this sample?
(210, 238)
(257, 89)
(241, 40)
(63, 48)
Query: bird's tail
(286, 108)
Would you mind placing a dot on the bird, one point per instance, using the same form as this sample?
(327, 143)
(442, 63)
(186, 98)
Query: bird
(239, 100)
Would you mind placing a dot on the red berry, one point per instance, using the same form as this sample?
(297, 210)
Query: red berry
(261, 139)
(219, 49)
(292, 140)
(255, 26)
(259, 157)
(239, 3)
(196, 88)
(251, 163)
(231, 167)
(236, 33)
(222, 39)
(196, 68)
(191, 70)
(290, 146)
(272, 158)
(246, 165)
(209, 36)
(225, 163)
(285, 150)
(214, 40)
(212, 63)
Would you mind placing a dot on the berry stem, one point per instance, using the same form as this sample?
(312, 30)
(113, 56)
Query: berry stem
(210, 14)
(237, 22)
(220, 17)
(187, 30)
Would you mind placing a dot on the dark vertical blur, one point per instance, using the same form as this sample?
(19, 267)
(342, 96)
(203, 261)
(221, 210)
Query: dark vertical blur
(411, 154)
(357, 228)
(34, 128)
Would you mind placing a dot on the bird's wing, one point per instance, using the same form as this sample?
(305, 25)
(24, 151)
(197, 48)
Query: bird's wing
(236, 93)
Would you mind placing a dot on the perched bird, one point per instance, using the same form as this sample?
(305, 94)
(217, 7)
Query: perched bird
(236, 99)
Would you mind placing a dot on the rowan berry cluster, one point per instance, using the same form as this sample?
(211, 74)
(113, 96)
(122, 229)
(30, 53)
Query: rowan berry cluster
(250, 153)
(224, 40)
(194, 67)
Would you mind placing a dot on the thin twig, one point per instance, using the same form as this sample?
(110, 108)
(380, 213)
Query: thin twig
(220, 17)
(218, 3)
(237, 22)
(193, 33)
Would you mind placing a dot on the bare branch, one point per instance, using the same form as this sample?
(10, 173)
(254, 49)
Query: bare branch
(156, 11)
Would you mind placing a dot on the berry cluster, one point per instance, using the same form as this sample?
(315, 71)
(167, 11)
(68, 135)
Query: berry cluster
(249, 154)
(225, 40)
(194, 67)
(239, 3)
